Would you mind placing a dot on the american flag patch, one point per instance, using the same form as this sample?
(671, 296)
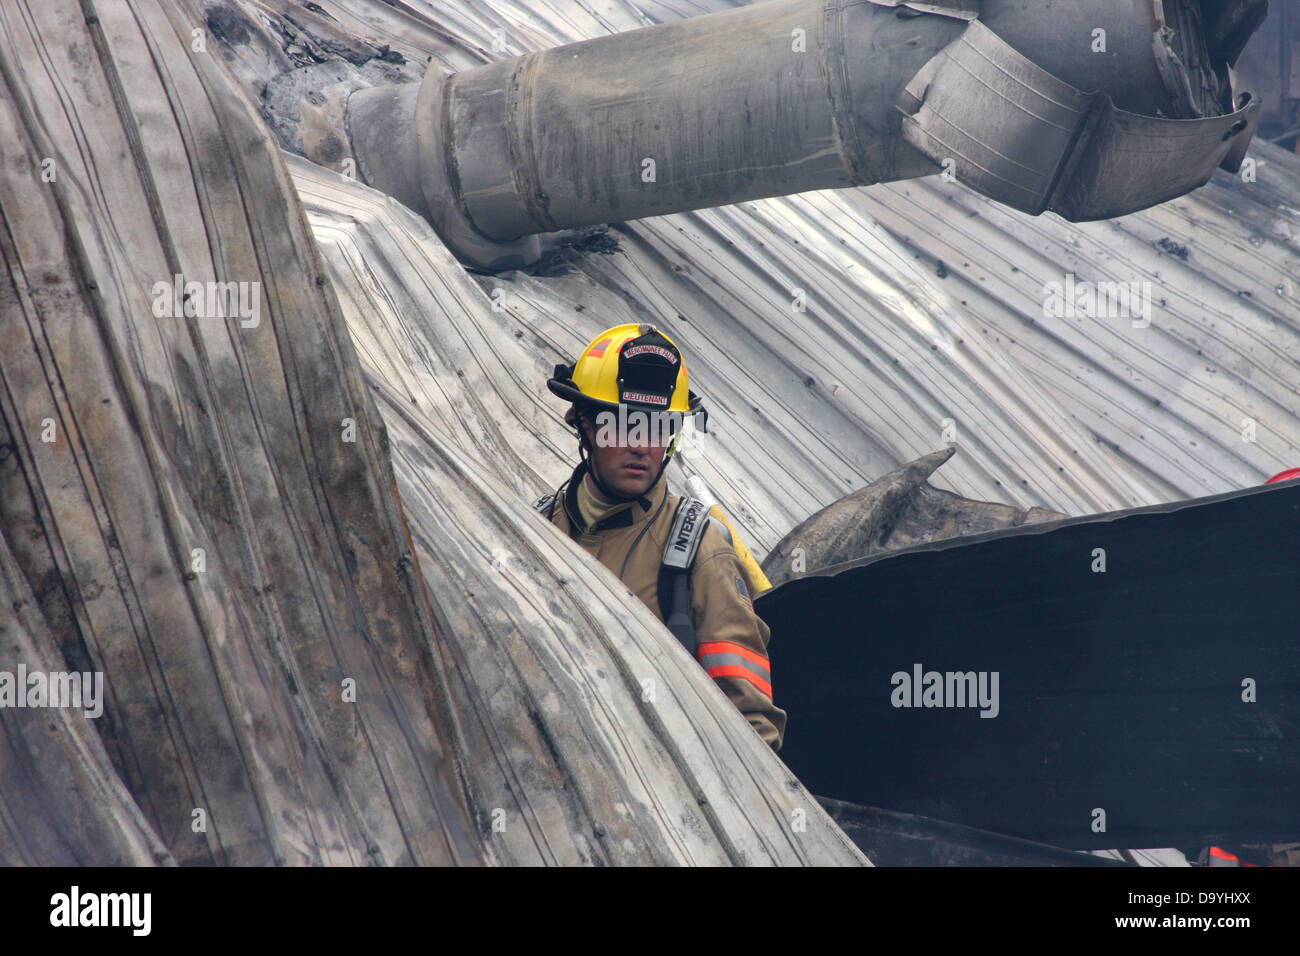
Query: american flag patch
(744, 594)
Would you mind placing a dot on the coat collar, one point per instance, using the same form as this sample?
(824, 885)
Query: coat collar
(638, 511)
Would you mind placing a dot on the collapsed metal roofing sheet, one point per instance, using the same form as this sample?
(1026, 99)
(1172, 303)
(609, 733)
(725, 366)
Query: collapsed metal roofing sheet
(525, 614)
(324, 636)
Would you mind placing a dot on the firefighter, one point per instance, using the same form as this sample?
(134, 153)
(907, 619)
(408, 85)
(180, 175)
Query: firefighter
(630, 395)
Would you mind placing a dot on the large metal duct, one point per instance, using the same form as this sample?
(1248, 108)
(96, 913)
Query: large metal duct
(1092, 109)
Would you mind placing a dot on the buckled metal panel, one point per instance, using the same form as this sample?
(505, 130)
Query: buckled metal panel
(1060, 149)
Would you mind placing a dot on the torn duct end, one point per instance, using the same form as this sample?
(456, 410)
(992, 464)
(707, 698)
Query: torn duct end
(1057, 148)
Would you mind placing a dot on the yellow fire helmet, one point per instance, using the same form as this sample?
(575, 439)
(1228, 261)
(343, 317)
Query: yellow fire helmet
(633, 365)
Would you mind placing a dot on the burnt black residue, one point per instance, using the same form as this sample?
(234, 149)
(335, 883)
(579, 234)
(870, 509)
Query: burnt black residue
(560, 259)
(228, 26)
(331, 149)
(304, 46)
(359, 54)
(1173, 248)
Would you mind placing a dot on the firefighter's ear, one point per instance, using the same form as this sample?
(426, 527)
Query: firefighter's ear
(582, 419)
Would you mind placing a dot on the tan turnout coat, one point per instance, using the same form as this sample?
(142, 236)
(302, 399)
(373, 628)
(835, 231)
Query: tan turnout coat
(731, 639)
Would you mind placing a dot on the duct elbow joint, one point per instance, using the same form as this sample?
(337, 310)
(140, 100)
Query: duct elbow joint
(398, 135)
(1027, 138)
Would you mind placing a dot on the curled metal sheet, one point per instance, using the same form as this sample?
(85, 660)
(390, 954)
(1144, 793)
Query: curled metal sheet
(1059, 148)
(896, 511)
(322, 634)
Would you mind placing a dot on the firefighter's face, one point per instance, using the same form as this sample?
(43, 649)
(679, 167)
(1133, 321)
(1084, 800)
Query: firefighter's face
(627, 460)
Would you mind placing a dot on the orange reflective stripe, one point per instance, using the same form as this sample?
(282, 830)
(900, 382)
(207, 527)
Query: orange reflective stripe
(736, 670)
(1223, 854)
(726, 647)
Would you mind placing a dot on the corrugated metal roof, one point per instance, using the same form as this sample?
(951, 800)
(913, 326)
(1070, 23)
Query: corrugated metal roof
(337, 640)
(924, 302)
(529, 619)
